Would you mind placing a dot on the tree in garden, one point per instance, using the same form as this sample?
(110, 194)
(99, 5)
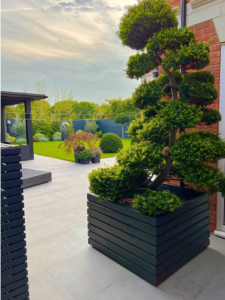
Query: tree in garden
(163, 154)
(121, 119)
(19, 128)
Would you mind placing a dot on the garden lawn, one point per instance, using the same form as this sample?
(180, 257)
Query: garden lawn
(51, 149)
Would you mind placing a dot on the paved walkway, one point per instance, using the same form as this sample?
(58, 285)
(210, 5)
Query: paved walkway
(63, 266)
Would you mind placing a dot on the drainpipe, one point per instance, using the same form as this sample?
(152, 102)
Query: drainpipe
(182, 69)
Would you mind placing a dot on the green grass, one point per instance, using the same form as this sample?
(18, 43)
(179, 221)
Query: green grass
(50, 149)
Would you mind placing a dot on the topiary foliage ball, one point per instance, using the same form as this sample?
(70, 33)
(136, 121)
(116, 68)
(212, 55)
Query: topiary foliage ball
(143, 20)
(111, 143)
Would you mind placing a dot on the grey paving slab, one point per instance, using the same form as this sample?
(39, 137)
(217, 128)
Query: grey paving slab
(62, 265)
(44, 287)
(87, 274)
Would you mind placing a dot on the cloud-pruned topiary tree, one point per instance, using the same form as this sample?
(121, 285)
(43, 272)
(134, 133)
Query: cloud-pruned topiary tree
(151, 27)
(121, 119)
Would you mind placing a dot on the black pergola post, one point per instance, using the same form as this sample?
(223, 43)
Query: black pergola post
(3, 125)
(28, 118)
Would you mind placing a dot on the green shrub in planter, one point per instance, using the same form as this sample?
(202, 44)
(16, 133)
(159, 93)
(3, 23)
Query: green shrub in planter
(111, 143)
(151, 27)
(85, 154)
(21, 141)
(154, 203)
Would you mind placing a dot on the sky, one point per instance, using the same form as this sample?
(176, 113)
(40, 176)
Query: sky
(71, 44)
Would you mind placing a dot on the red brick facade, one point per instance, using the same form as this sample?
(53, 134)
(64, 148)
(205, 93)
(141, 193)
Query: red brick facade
(206, 31)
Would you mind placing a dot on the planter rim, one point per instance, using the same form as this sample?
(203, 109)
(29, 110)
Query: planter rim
(153, 220)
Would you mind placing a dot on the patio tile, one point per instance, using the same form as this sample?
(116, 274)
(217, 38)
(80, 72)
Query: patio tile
(54, 250)
(59, 207)
(87, 274)
(81, 232)
(38, 231)
(215, 291)
(133, 288)
(191, 280)
(32, 215)
(44, 287)
(32, 201)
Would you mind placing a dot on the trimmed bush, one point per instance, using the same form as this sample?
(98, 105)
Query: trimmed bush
(154, 202)
(38, 135)
(11, 139)
(79, 131)
(43, 139)
(134, 139)
(57, 136)
(111, 143)
(99, 134)
(21, 141)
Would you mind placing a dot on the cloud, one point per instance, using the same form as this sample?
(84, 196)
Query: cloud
(67, 43)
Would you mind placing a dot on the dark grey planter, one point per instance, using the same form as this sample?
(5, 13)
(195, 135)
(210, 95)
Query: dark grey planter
(85, 161)
(25, 155)
(95, 159)
(64, 136)
(151, 247)
(77, 160)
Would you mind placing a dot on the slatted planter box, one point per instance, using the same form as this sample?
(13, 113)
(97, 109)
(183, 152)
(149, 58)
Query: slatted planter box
(14, 281)
(151, 247)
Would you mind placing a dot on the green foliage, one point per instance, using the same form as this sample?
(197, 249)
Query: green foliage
(83, 109)
(154, 131)
(134, 140)
(38, 135)
(43, 139)
(99, 134)
(91, 126)
(111, 143)
(19, 128)
(141, 156)
(210, 116)
(198, 88)
(57, 136)
(85, 154)
(179, 115)
(204, 177)
(110, 182)
(79, 131)
(140, 64)
(121, 118)
(147, 94)
(198, 147)
(135, 125)
(121, 105)
(21, 141)
(141, 21)
(154, 203)
(169, 40)
(11, 139)
(151, 27)
(194, 56)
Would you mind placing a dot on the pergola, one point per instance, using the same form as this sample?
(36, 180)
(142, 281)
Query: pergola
(13, 98)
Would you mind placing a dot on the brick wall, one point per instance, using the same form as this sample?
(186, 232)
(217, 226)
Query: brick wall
(205, 31)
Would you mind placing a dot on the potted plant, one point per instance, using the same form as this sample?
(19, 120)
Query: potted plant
(77, 142)
(135, 217)
(84, 156)
(95, 155)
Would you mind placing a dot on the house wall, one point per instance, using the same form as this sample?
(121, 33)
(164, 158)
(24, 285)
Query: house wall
(207, 18)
